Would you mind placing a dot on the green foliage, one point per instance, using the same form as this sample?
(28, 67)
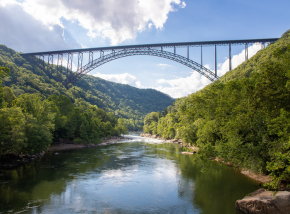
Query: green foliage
(12, 130)
(8, 96)
(28, 76)
(3, 73)
(243, 118)
(39, 122)
(37, 110)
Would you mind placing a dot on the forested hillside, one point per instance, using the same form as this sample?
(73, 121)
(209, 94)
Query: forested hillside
(28, 76)
(30, 123)
(243, 118)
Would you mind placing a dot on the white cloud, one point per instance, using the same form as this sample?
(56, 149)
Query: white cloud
(113, 19)
(238, 59)
(20, 31)
(164, 65)
(182, 5)
(181, 87)
(121, 78)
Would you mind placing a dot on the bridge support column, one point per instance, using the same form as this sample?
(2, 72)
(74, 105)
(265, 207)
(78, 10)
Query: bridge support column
(80, 62)
(101, 54)
(262, 45)
(69, 67)
(230, 57)
(174, 50)
(42, 58)
(59, 66)
(201, 55)
(49, 61)
(246, 51)
(91, 57)
(187, 52)
(215, 61)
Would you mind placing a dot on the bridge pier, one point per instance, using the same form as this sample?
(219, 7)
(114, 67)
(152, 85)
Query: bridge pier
(201, 55)
(80, 61)
(91, 56)
(187, 52)
(42, 57)
(215, 61)
(246, 51)
(262, 45)
(59, 68)
(49, 60)
(69, 66)
(230, 57)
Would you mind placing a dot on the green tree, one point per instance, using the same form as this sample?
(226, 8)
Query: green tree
(3, 73)
(9, 96)
(39, 122)
(12, 130)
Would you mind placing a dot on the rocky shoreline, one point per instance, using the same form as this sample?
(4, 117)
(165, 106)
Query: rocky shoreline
(67, 145)
(14, 160)
(265, 202)
(177, 141)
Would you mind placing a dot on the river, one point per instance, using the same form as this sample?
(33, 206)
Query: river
(137, 176)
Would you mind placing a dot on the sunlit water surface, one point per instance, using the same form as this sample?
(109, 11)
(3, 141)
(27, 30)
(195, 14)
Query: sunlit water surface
(123, 178)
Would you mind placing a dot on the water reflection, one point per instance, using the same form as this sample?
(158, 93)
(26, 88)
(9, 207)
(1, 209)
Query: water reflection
(123, 178)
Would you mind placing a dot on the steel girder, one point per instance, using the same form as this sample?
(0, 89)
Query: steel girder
(159, 45)
(142, 51)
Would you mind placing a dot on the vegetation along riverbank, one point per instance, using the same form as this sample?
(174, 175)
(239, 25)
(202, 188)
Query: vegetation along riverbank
(36, 110)
(243, 118)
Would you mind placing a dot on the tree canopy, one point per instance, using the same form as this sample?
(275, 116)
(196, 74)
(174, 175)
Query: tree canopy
(243, 118)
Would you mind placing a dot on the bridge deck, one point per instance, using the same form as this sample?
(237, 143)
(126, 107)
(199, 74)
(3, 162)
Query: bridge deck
(163, 45)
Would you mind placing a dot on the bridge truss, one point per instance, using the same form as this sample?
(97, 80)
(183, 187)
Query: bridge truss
(107, 54)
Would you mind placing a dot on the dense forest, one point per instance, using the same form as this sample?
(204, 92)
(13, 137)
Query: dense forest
(243, 118)
(27, 75)
(36, 110)
(30, 123)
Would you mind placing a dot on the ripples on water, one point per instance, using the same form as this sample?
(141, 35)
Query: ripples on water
(123, 178)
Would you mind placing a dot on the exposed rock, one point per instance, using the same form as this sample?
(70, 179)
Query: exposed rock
(188, 153)
(265, 202)
(258, 177)
(174, 141)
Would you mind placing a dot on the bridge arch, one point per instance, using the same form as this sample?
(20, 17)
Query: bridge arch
(141, 51)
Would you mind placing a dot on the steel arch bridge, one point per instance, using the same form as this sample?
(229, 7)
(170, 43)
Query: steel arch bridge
(117, 52)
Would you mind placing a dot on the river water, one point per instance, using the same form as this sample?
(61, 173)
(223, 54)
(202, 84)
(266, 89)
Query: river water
(123, 178)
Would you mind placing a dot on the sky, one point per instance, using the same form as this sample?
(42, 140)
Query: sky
(41, 25)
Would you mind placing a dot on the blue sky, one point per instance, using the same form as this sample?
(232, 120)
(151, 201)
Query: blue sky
(40, 25)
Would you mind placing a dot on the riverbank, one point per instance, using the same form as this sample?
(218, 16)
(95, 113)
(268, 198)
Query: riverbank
(256, 176)
(14, 160)
(260, 201)
(179, 141)
(67, 145)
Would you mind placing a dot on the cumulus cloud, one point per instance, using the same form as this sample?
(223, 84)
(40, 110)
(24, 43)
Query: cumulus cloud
(22, 32)
(113, 19)
(182, 5)
(121, 78)
(181, 87)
